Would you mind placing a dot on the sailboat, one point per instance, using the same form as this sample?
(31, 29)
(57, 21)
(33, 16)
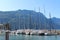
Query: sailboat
(28, 30)
(20, 31)
(52, 31)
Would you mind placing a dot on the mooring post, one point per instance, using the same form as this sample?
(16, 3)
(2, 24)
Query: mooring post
(7, 36)
(7, 31)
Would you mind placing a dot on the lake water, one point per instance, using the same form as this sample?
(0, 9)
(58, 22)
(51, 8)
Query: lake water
(27, 37)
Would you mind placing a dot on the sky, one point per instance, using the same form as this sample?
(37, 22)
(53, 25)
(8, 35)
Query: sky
(50, 6)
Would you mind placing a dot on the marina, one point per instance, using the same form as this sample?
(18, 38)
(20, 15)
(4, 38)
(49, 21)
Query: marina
(8, 32)
(24, 33)
(29, 19)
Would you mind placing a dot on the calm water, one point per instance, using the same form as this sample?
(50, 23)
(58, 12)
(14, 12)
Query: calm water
(27, 37)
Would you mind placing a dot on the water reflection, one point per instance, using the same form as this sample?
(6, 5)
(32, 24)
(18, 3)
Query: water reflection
(30, 37)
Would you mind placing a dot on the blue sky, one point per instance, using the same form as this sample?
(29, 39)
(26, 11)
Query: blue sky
(51, 6)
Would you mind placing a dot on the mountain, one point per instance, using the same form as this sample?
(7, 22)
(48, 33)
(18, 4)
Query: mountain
(27, 19)
(56, 22)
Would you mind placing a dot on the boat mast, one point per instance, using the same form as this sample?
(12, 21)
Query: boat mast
(35, 24)
(24, 22)
(51, 25)
(50, 21)
(19, 21)
(28, 22)
(39, 24)
(44, 19)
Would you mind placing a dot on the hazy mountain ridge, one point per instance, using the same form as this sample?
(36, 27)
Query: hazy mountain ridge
(28, 19)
